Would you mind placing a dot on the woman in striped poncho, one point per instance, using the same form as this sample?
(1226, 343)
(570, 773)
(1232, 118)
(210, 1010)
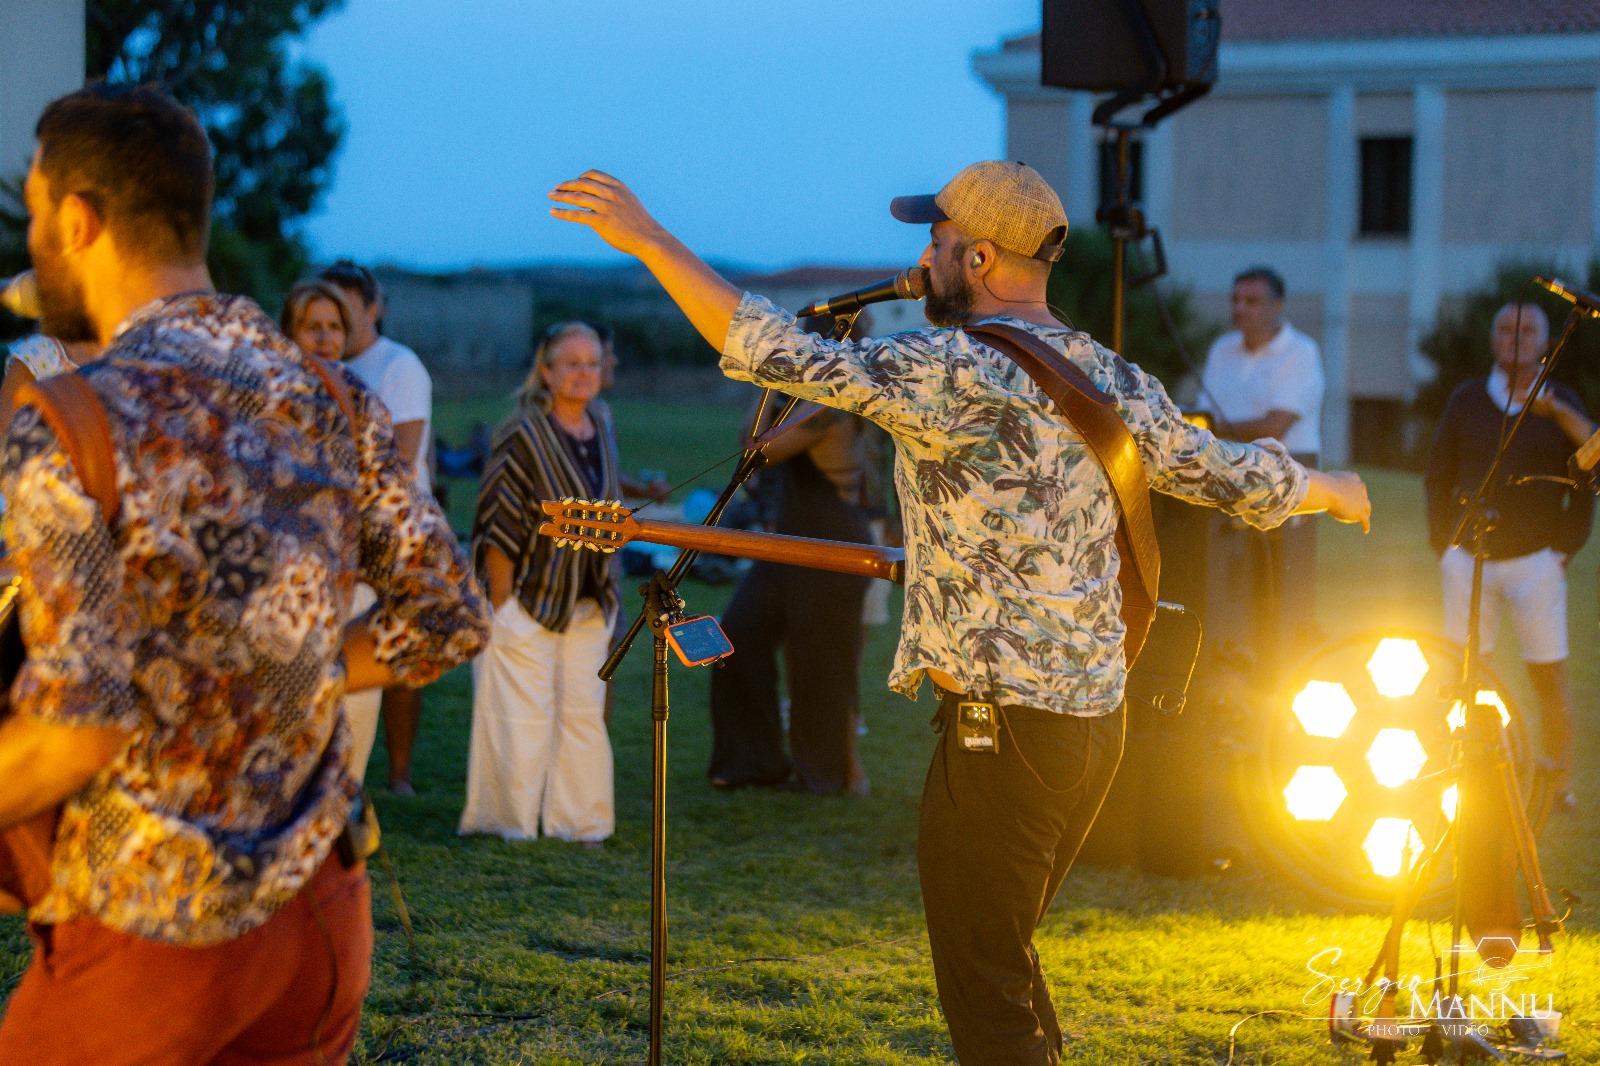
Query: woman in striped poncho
(540, 759)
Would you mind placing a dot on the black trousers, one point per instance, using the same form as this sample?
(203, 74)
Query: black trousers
(998, 834)
(814, 618)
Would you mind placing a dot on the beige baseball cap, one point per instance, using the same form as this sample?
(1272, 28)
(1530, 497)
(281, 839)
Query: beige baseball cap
(1007, 203)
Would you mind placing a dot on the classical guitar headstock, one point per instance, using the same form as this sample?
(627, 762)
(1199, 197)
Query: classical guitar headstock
(599, 525)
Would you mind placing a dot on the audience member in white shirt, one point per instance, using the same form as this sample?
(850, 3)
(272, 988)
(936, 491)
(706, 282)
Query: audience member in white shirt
(1264, 378)
(397, 376)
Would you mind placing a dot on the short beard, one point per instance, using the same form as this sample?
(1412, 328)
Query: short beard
(63, 312)
(950, 308)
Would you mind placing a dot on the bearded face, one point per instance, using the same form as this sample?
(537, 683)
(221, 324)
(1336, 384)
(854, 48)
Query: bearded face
(950, 295)
(64, 314)
(64, 311)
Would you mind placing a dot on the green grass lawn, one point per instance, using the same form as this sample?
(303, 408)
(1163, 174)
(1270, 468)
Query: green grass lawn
(796, 926)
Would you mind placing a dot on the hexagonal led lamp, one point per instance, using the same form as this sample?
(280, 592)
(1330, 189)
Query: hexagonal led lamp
(1458, 714)
(1387, 843)
(1314, 793)
(1396, 756)
(1324, 709)
(1397, 667)
(1449, 801)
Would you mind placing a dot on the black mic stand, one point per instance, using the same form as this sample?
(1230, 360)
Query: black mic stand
(662, 607)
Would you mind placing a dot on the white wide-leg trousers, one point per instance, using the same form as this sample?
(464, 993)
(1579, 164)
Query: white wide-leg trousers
(540, 759)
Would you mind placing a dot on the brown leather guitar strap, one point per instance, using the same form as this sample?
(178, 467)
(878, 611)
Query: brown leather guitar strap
(1094, 415)
(70, 407)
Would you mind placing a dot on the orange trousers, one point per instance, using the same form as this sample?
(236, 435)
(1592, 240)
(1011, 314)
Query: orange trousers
(288, 992)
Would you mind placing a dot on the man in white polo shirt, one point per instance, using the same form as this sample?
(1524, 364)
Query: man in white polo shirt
(397, 376)
(1264, 379)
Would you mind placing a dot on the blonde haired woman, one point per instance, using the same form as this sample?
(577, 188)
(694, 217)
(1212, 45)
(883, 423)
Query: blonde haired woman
(317, 318)
(540, 760)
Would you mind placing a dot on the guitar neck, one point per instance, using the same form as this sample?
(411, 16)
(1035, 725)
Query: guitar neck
(842, 557)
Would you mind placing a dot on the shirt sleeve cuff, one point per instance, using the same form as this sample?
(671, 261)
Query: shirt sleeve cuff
(750, 333)
(1292, 493)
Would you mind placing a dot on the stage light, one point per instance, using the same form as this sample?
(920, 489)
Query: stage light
(1324, 709)
(1449, 801)
(1314, 793)
(1396, 756)
(1388, 844)
(1344, 766)
(1458, 714)
(1397, 667)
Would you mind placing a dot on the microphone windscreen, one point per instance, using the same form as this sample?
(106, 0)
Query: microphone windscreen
(911, 284)
(20, 295)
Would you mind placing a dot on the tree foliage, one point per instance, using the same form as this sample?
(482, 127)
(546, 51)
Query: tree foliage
(1080, 288)
(273, 124)
(1459, 343)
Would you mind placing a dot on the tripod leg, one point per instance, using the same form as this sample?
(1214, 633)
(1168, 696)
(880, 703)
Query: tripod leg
(1544, 915)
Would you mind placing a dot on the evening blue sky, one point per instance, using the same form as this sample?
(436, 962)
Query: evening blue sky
(763, 134)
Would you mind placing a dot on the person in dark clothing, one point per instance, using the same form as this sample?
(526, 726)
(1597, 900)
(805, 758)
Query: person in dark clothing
(1541, 524)
(813, 616)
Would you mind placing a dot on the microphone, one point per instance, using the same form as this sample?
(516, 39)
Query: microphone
(1588, 301)
(906, 285)
(20, 295)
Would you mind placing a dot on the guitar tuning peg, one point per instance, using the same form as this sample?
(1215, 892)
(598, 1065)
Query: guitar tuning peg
(567, 501)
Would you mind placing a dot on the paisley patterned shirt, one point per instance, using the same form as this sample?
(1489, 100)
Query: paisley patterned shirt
(208, 619)
(1011, 569)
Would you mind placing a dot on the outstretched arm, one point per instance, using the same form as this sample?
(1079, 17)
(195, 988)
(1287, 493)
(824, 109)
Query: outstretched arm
(611, 209)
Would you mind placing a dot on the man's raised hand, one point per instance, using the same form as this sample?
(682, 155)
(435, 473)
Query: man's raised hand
(611, 209)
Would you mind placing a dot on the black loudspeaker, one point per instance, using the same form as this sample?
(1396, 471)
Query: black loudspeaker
(1123, 45)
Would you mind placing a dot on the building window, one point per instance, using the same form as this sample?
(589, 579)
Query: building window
(1385, 186)
(1108, 172)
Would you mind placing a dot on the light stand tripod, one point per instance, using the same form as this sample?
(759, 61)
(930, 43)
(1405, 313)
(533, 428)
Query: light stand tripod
(1491, 828)
(664, 606)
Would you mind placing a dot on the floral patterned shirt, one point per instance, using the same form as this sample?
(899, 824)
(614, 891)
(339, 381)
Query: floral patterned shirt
(1011, 569)
(207, 620)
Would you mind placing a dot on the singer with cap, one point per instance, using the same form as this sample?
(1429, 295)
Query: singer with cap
(1012, 596)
